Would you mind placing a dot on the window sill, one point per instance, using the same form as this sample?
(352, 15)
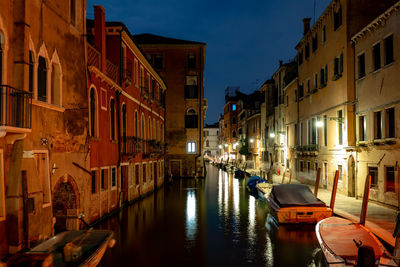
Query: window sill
(47, 105)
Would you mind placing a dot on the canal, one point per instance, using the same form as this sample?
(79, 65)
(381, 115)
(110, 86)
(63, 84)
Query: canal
(206, 222)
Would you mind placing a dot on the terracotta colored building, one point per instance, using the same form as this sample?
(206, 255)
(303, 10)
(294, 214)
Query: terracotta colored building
(126, 118)
(181, 64)
(43, 119)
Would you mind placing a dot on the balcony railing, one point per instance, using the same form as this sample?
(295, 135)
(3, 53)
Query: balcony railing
(131, 146)
(15, 107)
(94, 59)
(306, 148)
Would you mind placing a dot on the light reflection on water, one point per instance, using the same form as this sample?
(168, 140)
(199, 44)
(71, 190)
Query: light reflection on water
(205, 222)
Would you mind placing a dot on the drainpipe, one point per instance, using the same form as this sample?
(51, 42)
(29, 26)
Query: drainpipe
(355, 121)
(200, 113)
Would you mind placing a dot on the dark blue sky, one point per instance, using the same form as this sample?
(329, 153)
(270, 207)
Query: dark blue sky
(245, 39)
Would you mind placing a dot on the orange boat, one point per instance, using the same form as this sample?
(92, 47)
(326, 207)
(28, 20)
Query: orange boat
(343, 242)
(295, 203)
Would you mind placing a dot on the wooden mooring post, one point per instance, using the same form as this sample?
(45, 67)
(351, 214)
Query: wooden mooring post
(364, 206)
(317, 182)
(334, 189)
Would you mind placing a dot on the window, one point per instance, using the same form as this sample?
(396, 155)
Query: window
(301, 166)
(157, 61)
(137, 174)
(141, 77)
(191, 87)
(191, 61)
(314, 131)
(42, 79)
(191, 147)
(112, 119)
(315, 43)
(338, 67)
(322, 77)
(153, 88)
(124, 128)
(326, 74)
(315, 81)
(233, 107)
(191, 119)
(361, 66)
(207, 143)
(149, 129)
(390, 123)
(72, 12)
(308, 166)
(390, 175)
(56, 85)
(378, 125)
(144, 173)
(307, 52)
(31, 66)
(324, 34)
(340, 169)
(340, 126)
(104, 178)
(113, 177)
(325, 131)
(93, 182)
(282, 157)
(376, 54)
(337, 18)
(2, 41)
(234, 134)
(136, 124)
(373, 171)
(388, 42)
(300, 57)
(362, 128)
(93, 111)
(136, 70)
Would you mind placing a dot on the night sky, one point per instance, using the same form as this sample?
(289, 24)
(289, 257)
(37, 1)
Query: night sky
(245, 39)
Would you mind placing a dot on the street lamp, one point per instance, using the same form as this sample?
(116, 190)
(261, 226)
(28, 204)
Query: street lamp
(220, 146)
(226, 145)
(251, 140)
(272, 135)
(319, 124)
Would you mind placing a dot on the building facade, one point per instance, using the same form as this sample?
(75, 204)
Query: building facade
(126, 118)
(211, 133)
(377, 131)
(181, 64)
(44, 121)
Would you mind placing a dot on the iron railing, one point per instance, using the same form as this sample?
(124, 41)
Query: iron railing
(15, 107)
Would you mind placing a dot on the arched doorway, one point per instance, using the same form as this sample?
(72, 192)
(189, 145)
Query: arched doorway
(351, 187)
(65, 205)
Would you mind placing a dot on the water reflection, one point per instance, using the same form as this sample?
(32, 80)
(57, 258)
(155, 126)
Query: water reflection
(191, 219)
(210, 222)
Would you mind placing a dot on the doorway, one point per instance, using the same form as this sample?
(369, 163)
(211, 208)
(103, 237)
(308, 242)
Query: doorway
(176, 168)
(65, 206)
(351, 187)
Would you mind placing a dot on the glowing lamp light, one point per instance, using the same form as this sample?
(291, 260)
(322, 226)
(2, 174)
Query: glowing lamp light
(319, 124)
(226, 145)
(272, 135)
(251, 140)
(220, 146)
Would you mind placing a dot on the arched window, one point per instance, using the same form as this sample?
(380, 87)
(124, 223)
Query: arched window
(191, 119)
(93, 116)
(136, 124)
(31, 68)
(42, 79)
(2, 48)
(234, 134)
(154, 129)
(123, 128)
(56, 85)
(142, 128)
(112, 119)
(149, 132)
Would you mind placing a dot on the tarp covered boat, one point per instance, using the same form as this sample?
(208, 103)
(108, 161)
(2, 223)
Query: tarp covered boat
(253, 181)
(264, 189)
(295, 203)
(346, 243)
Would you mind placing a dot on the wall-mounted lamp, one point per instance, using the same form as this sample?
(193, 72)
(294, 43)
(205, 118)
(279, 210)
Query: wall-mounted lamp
(226, 145)
(220, 146)
(251, 140)
(319, 124)
(272, 135)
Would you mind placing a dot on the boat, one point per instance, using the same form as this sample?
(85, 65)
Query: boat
(263, 189)
(253, 181)
(70, 248)
(348, 243)
(295, 203)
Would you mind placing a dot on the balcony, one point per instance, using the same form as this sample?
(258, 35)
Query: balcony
(94, 59)
(131, 146)
(15, 108)
(307, 148)
(144, 92)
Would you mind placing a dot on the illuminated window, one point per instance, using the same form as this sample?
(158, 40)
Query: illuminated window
(191, 147)
(233, 107)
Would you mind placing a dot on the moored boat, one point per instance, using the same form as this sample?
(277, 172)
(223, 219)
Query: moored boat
(70, 248)
(347, 243)
(253, 181)
(264, 189)
(295, 203)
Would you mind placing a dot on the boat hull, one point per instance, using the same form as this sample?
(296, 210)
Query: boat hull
(343, 251)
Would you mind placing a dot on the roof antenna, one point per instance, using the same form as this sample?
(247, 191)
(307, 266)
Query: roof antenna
(314, 10)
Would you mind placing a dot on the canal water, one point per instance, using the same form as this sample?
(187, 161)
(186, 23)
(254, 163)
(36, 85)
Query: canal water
(206, 222)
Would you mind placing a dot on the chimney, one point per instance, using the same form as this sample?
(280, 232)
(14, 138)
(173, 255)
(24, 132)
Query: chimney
(100, 34)
(280, 63)
(306, 24)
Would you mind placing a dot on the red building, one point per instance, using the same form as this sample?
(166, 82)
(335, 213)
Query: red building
(126, 118)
